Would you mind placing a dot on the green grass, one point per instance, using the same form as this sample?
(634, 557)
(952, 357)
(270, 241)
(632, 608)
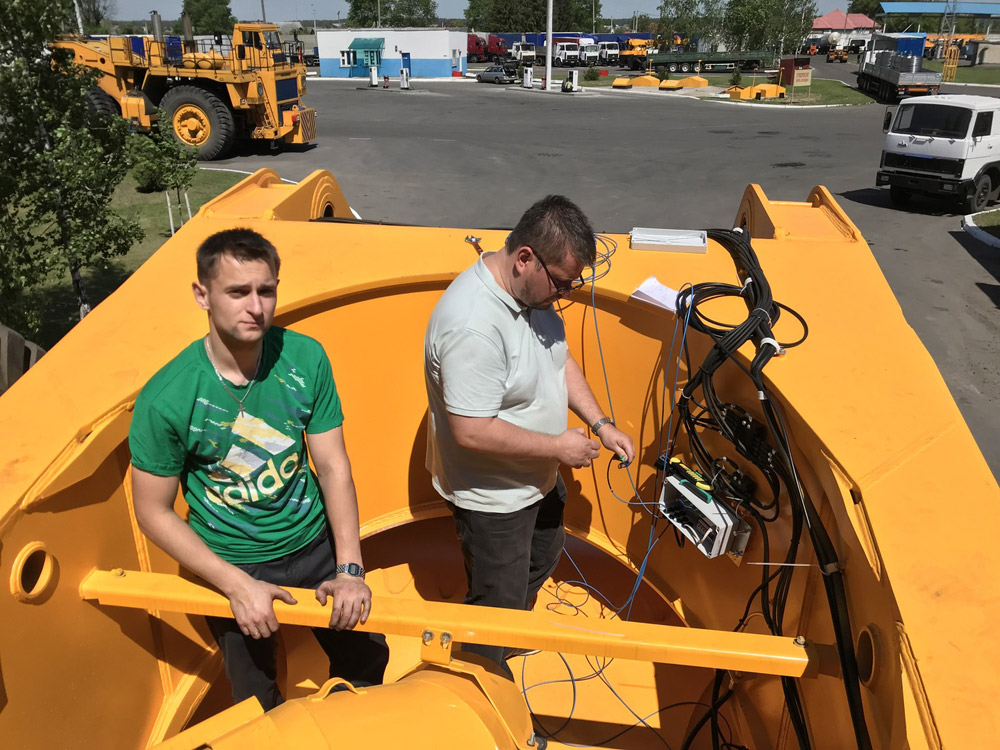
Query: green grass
(56, 300)
(964, 74)
(989, 221)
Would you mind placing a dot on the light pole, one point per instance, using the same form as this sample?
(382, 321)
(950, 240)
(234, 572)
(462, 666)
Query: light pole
(263, 13)
(593, 15)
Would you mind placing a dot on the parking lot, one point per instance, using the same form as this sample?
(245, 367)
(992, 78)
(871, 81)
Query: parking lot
(456, 153)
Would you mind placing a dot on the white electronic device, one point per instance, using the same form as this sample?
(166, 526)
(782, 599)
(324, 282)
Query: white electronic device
(686, 501)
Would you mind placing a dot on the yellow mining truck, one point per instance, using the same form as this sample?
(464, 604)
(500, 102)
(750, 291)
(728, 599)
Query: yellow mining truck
(213, 92)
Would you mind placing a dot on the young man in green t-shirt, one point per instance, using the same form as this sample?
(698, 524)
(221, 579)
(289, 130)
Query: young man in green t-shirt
(231, 420)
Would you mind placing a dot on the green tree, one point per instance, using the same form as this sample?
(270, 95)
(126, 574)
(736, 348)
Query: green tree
(776, 25)
(477, 13)
(529, 15)
(95, 13)
(62, 162)
(362, 14)
(692, 20)
(209, 16)
(867, 7)
(411, 13)
(519, 15)
(159, 161)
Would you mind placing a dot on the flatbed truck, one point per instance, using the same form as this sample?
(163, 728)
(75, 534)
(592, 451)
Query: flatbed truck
(892, 69)
(694, 62)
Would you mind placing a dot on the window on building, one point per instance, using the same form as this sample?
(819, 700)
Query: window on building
(373, 58)
(349, 58)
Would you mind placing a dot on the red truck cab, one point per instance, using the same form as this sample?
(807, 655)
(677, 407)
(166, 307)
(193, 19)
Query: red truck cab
(476, 48)
(496, 48)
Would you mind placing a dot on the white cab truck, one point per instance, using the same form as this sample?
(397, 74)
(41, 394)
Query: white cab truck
(523, 52)
(589, 54)
(943, 146)
(563, 53)
(607, 53)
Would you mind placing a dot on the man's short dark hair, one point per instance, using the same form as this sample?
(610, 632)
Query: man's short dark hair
(550, 227)
(241, 244)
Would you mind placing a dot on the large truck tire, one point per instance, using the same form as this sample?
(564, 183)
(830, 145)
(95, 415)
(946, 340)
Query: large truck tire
(979, 199)
(473, 59)
(199, 119)
(102, 104)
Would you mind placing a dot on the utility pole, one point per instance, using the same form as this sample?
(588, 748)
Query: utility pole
(79, 16)
(548, 45)
(263, 13)
(593, 14)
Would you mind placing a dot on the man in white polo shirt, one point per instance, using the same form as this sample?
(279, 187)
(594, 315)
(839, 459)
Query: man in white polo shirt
(499, 382)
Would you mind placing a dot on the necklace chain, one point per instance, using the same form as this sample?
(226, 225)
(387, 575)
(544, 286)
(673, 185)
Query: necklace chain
(211, 358)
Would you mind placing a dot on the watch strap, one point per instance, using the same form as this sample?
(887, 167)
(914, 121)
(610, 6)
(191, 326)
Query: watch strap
(352, 569)
(600, 423)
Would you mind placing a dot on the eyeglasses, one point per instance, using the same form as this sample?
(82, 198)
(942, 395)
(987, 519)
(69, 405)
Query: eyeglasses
(561, 287)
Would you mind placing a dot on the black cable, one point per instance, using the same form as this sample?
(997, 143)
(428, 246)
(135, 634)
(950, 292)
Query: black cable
(776, 464)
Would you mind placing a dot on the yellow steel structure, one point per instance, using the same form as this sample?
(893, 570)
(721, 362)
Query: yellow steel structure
(878, 441)
(211, 98)
(760, 91)
(615, 639)
(950, 66)
(690, 82)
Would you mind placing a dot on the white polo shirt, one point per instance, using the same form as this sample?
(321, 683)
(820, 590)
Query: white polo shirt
(486, 355)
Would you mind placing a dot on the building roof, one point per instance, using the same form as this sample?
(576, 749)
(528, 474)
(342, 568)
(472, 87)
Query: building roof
(367, 43)
(837, 19)
(962, 9)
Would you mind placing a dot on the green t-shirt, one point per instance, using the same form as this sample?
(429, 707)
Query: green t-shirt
(246, 477)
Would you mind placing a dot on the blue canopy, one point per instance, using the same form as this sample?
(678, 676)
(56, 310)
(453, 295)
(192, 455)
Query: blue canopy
(937, 9)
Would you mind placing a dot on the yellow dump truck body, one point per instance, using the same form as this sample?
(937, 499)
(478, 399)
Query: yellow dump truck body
(104, 643)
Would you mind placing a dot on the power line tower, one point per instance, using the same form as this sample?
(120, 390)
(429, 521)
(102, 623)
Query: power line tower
(949, 19)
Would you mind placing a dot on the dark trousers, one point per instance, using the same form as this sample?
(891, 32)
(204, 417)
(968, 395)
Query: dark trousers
(508, 556)
(251, 664)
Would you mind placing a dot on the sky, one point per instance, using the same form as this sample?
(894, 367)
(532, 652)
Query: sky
(291, 10)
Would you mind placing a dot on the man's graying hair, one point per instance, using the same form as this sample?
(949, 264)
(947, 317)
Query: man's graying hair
(242, 244)
(552, 226)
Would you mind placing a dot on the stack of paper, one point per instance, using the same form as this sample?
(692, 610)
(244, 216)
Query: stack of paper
(655, 293)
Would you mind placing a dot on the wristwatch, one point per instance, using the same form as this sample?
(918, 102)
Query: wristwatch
(600, 423)
(352, 569)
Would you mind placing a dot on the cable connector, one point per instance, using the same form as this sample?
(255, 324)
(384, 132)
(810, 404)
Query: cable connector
(778, 350)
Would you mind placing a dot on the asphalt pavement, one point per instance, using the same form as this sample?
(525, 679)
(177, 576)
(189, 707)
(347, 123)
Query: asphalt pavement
(458, 153)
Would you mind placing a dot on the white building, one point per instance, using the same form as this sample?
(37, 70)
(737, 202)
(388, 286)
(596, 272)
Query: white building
(428, 53)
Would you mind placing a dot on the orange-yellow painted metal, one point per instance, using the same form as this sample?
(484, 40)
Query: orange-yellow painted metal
(760, 91)
(550, 631)
(691, 82)
(430, 707)
(879, 443)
